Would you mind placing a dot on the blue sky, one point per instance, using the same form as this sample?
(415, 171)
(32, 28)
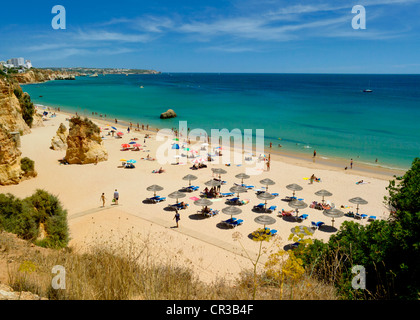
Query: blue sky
(313, 36)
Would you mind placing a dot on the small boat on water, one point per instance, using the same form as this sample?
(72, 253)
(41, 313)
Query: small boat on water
(367, 90)
(94, 75)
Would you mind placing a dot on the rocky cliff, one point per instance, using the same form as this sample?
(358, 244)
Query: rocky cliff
(10, 169)
(42, 75)
(84, 143)
(59, 141)
(10, 109)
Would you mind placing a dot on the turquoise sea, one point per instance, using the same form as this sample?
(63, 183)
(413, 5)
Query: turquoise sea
(328, 113)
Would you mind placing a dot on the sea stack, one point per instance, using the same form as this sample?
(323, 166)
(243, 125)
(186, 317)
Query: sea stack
(59, 141)
(168, 114)
(84, 143)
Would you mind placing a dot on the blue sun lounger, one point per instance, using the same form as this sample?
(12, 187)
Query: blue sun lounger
(303, 217)
(234, 200)
(371, 218)
(259, 206)
(317, 225)
(227, 194)
(236, 223)
(272, 208)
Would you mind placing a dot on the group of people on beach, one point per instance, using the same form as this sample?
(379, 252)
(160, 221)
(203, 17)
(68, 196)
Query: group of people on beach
(114, 199)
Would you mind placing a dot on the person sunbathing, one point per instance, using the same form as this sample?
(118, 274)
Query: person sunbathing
(287, 212)
(183, 205)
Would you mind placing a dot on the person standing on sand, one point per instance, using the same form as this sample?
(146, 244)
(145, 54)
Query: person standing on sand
(351, 163)
(116, 196)
(177, 218)
(96, 160)
(103, 199)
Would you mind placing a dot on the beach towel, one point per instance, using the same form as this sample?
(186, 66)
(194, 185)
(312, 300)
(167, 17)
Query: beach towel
(194, 198)
(215, 200)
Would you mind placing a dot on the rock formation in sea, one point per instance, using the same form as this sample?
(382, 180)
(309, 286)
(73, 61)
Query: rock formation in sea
(10, 157)
(168, 114)
(84, 143)
(59, 141)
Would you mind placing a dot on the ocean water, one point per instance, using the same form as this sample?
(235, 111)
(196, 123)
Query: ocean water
(328, 113)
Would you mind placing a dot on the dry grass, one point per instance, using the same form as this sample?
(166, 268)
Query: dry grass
(126, 270)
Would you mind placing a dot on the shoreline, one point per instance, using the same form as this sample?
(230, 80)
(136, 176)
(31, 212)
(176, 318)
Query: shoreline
(290, 157)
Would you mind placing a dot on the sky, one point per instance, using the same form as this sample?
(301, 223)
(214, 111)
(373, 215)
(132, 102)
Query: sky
(255, 36)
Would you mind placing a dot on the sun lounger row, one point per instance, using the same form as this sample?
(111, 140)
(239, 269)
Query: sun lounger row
(212, 213)
(245, 186)
(261, 207)
(156, 199)
(233, 222)
(191, 188)
(359, 216)
(227, 194)
(179, 206)
(237, 201)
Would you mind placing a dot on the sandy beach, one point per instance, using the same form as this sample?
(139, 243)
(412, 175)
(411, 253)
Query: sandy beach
(201, 243)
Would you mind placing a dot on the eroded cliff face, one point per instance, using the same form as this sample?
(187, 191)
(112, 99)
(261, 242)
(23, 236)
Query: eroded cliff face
(10, 156)
(42, 75)
(84, 143)
(10, 111)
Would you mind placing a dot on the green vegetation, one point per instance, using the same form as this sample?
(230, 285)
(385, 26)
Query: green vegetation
(27, 106)
(388, 250)
(24, 218)
(76, 123)
(28, 167)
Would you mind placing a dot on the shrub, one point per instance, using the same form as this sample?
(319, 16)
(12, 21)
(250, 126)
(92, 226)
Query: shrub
(28, 109)
(23, 217)
(17, 217)
(50, 212)
(28, 166)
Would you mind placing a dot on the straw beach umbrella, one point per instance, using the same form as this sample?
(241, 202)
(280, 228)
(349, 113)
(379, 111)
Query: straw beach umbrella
(333, 213)
(176, 195)
(242, 176)
(219, 171)
(238, 189)
(297, 204)
(267, 182)
(323, 193)
(265, 220)
(232, 211)
(154, 188)
(189, 178)
(358, 201)
(265, 196)
(213, 183)
(294, 187)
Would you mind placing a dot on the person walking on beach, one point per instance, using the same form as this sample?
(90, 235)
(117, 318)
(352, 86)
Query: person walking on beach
(314, 156)
(351, 163)
(116, 196)
(103, 199)
(177, 218)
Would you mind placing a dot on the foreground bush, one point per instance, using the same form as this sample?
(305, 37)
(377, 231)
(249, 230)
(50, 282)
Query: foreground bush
(24, 218)
(388, 250)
